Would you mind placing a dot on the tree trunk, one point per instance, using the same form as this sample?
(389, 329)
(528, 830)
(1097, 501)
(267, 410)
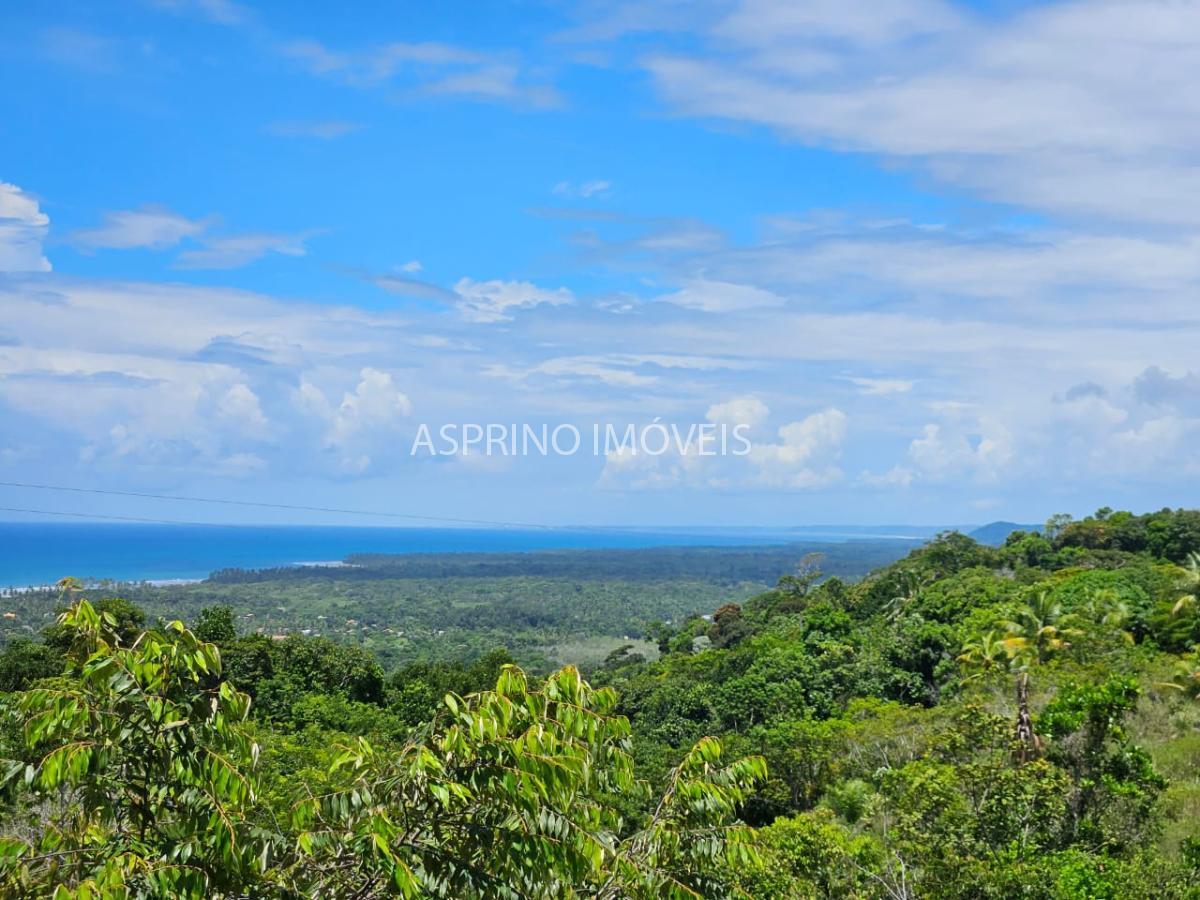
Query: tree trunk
(1029, 743)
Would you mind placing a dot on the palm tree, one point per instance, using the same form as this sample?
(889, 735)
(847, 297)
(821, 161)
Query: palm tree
(1190, 583)
(1187, 677)
(986, 653)
(1039, 630)
(1106, 607)
(910, 592)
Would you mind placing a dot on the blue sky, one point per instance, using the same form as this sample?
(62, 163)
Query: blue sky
(939, 259)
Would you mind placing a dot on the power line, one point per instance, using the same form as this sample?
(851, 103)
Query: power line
(75, 515)
(252, 503)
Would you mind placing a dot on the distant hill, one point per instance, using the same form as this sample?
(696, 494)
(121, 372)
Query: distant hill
(995, 533)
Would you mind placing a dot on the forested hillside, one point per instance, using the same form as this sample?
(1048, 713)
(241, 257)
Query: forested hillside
(1019, 721)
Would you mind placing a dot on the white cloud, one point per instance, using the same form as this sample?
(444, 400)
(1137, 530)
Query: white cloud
(842, 264)
(157, 228)
(240, 250)
(804, 458)
(1093, 413)
(626, 468)
(428, 69)
(23, 227)
(586, 189)
(360, 427)
(1081, 108)
(141, 371)
(721, 296)
(805, 454)
(324, 130)
(1154, 442)
(375, 401)
(1003, 264)
(240, 406)
(495, 301)
(748, 411)
(500, 82)
(607, 371)
(223, 12)
(880, 387)
(627, 370)
(188, 377)
(154, 227)
(380, 62)
(980, 448)
(681, 236)
(241, 465)
(755, 23)
(192, 419)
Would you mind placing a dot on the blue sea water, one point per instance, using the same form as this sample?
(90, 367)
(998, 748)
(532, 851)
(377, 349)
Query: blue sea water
(35, 553)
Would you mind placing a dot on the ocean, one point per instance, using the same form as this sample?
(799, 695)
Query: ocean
(36, 553)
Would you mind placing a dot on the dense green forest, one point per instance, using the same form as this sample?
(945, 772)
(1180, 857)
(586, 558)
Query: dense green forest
(548, 608)
(968, 721)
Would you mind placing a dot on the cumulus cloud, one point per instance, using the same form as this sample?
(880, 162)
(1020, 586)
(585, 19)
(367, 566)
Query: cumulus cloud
(496, 300)
(804, 456)
(360, 426)
(191, 377)
(1154, 442)
(194, 419)
(980, 449)
(240, 406)
(626, 468)
(375, 401)
(152, 371)
(748, 411)
(23, 227)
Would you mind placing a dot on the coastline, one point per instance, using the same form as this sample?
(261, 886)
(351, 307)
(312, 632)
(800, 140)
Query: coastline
(33, 556)
(15, 589)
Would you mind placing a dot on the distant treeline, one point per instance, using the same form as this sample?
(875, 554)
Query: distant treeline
(730, 565)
